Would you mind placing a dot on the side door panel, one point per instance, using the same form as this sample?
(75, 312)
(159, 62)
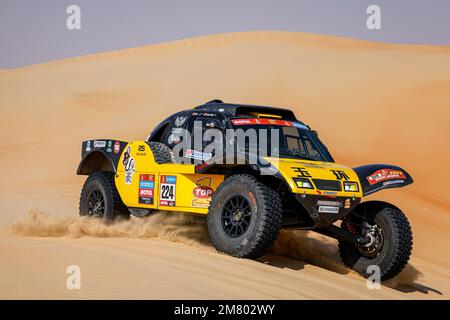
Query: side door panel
(142, 183)
(187, 192)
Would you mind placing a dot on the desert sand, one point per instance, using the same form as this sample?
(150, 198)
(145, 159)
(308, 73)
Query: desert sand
(370, 102)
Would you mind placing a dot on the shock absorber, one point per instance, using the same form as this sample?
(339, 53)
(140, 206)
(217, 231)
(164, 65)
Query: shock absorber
(351, 227)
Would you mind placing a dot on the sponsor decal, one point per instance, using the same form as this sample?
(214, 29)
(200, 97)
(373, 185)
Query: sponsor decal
(193, 154)
(145, 193)
(328, 203)
(99, 144)
(202, 192)
(141, 150)
(146, 188)
(179, 121)
(328, 209)
(265, 121)
(347, 204)
(340, 175)
(201, 203)
(302, 172)
(167, 190)
(129, 166)
(243, 122)
(88, 146)
(204, 114)
(116, 147)
(146, 183)
(385, 174)
(386, 183)
(309, 165)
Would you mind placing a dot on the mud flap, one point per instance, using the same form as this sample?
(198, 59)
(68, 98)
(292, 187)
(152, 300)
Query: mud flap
(376, 177)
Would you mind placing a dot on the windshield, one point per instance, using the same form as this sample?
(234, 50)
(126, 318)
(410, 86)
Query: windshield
(293, 141)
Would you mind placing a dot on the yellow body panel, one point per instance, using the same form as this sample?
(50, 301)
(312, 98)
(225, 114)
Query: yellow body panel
(190, 192)
(290, 168)
(143, 183)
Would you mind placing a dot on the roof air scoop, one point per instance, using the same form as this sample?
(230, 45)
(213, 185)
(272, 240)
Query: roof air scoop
(214, 101)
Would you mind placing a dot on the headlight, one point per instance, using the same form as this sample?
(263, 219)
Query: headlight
(351, 186)
(303, 183)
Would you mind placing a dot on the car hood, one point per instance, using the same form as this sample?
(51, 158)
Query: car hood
(325, 176)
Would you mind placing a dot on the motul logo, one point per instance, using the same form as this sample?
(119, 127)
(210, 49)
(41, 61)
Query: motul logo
(241, 121)
(145, 192)
(203, 192)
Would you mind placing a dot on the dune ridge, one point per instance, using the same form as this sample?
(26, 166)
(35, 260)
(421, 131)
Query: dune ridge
(214, 40)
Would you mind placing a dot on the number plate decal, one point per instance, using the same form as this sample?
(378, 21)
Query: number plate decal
(167, 191)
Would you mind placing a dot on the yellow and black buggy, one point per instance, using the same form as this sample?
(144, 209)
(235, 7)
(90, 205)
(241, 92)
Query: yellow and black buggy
(295, 185)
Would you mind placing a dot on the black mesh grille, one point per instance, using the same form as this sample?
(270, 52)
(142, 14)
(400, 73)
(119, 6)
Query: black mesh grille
(327, 184)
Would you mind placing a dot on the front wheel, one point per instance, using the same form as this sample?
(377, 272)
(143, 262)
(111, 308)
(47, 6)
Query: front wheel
(99, 198)
(244, 217)
(388, 242)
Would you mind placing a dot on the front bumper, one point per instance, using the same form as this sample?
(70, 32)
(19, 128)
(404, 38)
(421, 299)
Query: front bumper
(325, 210)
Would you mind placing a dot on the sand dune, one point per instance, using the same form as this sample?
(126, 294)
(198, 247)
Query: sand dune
(370, 102)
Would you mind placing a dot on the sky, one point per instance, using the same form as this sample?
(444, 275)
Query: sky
(35, 31)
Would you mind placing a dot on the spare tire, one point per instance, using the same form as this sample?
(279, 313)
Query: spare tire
(161, 153)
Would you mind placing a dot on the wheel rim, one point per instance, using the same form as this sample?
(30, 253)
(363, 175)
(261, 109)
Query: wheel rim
(236, 216)
(96, 203)
(374, 237)
(371, 234)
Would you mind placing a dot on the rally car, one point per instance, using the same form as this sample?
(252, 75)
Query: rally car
(246, 195)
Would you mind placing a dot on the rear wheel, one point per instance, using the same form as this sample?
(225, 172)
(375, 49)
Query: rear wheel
(99, 198)
(244, 217)
(388, 242)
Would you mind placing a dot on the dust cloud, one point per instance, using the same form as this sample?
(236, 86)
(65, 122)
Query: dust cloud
(175, 227)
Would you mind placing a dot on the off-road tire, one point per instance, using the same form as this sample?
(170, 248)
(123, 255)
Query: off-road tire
(396, 250)
(104, 182)
(265, 217)
(161, 153)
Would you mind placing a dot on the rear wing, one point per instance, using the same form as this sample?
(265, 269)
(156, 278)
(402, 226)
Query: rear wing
(100, 155)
